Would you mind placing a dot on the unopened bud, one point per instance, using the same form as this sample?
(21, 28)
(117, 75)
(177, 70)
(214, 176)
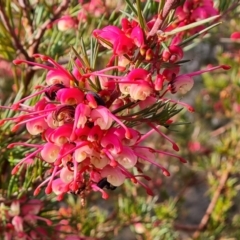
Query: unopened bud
(166, 173)
(143, 50)
(149, 55)
(37, 191)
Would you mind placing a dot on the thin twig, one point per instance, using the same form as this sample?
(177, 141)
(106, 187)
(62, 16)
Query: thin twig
(202, 225)
(183, 227)
(169, 5)
(36, 39)
(16, 43)
(27, 9)
(232, 7)
(221, 130)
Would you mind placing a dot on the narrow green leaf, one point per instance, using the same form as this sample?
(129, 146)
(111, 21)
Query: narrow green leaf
(140, 16)
(131, 6)
(191, 25)
(186, 41)
(128, 15)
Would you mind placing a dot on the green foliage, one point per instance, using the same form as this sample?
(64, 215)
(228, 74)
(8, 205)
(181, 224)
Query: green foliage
(215, 127)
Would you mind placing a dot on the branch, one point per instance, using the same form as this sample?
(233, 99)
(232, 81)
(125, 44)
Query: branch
(16, 42)
(36, 39)
(202, 225)
(221, 130)
(182, 227)
(232, 7)
(169, 5)
(27, 9)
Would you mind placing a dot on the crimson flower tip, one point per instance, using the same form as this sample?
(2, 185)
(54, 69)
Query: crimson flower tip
(60, 197)
(38, 55)
(48, 189)
(235, 36)
(75, 186)
(2, 122)
(17, 61)
(49, 222)
(14, 128)
(134, 180)
(150, 192)
(57, 162)
(72, 138)
(191, 109)
(166, 173)
(37, 191)
(226, 67)
(15, 170)
(147, 178)
(113, 163)
(15, 106)
(169, 121)
(121, 69)
(182, 160)
(175, 147)
(128, 135)
(104, 195)
(11, 145)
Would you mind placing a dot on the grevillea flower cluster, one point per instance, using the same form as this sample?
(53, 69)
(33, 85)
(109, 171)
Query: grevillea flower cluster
(192, 11)
(20, 219)
(88, 119)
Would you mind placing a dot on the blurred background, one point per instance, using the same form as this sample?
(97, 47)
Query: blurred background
(200, 200)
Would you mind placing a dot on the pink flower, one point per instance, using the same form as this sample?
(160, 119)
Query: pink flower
(58, 186)
(127, 158)
(32, 207)
(50, 152)
(138, 36)
(195, 10)
(147, 102)
(113, 175)
(235, 36)
(20, 217)
(140, 91)
(111, 142)
(82, 153)
(120, 133)
(133, 30)
(94, 7)
(87, 117)
(66, 175)
(70, 96)
(36, 126)
(17, 222)
(120, 43)
(101, 117)
(62, 134)
(99, 161)
(183, 83)
(82, 113)
(65, 23)
(57, 77)
(173, 54)
(194, 146)
(137, 79)
(14, 208)
(75, 71)
(192, 11)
